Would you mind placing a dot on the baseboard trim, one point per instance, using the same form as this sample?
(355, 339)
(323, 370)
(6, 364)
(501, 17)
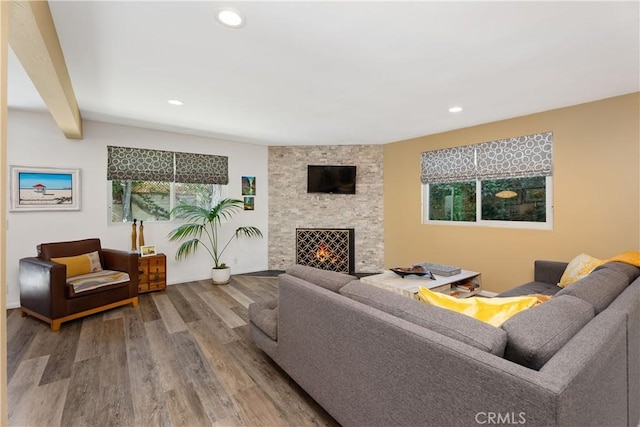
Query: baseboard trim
(14, 304)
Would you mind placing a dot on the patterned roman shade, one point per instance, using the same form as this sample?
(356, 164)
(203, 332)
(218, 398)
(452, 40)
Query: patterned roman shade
(448, 165)
(141, 164)
(201, 168)
(523, 156)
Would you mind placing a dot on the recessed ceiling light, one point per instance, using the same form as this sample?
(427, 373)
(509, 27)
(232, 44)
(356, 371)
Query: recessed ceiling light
(455, 109)
(175, 102)
(230, 17)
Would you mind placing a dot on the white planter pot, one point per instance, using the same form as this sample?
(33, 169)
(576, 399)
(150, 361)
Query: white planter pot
(220, 276)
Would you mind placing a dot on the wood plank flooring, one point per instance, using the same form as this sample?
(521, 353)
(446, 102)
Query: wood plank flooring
(183, 357)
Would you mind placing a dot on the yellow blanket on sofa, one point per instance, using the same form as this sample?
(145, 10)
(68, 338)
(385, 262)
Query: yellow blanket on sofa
(494, 311)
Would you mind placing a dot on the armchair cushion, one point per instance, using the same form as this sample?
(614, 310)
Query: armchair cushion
(100, 279)
(81, 264)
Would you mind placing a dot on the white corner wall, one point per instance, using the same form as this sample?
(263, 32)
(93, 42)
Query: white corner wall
(34, 140)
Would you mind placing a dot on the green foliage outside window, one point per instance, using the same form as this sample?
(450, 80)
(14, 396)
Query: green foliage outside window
(454, 201)
(510, 199)
(514, 199)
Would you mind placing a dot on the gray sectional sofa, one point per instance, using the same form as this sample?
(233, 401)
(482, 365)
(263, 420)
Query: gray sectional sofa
(374, 358)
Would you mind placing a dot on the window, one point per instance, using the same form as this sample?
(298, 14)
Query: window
(455, 201)
(499, 183)
(147, 184)
(153, 200)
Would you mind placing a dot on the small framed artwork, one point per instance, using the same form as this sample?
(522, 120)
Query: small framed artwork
(44, 189)
(248, 185)
(249, 204)
(148, 250)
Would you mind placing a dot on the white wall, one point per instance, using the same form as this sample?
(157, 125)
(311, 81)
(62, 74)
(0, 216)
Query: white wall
(35, 141)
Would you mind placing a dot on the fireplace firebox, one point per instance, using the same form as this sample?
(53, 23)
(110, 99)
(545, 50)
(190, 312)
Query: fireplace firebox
(326, 248)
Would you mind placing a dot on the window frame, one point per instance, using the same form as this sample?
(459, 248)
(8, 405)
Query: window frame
(479, 222)
(224, 192)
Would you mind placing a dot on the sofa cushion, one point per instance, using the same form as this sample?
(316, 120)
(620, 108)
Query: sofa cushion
(99, 279)
(81, 264)
(629, 270)
(530, 288)
(535, 335)
(445, 322)
(47, 251)
(493, 311)
(264, 314)
(330, 280)
(599, 288)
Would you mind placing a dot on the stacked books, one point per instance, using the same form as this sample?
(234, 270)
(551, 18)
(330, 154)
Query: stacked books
(466, 287)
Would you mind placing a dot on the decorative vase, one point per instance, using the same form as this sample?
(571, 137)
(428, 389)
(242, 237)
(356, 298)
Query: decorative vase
(133, 236)
(141, 235)
(220, 276)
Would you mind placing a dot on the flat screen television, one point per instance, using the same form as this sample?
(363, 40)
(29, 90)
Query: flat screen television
(331, 179)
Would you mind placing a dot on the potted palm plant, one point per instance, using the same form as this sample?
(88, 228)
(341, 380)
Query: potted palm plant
(202, 227)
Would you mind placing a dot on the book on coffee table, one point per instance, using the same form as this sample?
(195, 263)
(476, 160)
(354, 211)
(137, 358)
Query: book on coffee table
(466, 287)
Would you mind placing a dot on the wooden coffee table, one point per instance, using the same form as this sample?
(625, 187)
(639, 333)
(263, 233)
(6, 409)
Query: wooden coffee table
(408, 286)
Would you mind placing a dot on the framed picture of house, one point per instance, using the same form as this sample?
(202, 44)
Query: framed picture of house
(44, 189)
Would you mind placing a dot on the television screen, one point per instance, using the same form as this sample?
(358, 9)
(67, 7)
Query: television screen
(331, 179)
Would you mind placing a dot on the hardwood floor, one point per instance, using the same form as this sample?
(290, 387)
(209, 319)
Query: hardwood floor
(183, 357)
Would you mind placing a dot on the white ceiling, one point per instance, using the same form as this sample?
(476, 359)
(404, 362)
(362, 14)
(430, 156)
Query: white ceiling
(337, 72)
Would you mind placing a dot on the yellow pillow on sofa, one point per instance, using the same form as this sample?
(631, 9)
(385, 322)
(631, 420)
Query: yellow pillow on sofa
(494, 311)
(80, 264)
(578, 268)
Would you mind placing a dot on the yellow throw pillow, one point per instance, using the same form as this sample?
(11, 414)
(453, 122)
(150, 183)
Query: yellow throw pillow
(80, 264)
(578, 268)
(494, 311)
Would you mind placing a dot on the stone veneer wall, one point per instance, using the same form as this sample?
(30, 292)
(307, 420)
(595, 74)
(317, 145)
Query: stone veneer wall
(291, 207)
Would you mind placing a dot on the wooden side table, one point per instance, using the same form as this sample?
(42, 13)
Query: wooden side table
(152, 273)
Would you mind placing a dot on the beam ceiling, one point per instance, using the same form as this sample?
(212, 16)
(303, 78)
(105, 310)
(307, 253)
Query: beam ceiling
(34, 40)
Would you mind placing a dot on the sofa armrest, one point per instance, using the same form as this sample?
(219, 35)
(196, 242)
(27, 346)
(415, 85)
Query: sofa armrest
(41, 283)
(120, 260)
(591, 373)
(548, 271)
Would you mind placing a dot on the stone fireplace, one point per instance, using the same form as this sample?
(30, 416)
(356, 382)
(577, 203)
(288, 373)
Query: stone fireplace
(326, 248)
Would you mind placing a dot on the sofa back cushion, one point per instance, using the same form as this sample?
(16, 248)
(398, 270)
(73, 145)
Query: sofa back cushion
(536, 334)
(445, 322)
(631, 271)
(599, 288)
(330, 280)
(47, 251)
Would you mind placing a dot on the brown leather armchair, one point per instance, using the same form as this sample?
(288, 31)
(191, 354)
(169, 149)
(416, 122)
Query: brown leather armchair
(46, 295)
